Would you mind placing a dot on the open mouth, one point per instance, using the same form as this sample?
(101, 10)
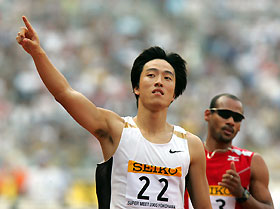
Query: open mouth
(156, 91)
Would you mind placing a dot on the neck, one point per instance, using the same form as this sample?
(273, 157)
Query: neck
(211, 145)
(152, 124)
(151, 121)
(212, 149)
(153, 127)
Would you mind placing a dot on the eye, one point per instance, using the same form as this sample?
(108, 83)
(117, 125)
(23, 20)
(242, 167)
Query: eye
(168, 78)
(151, 75)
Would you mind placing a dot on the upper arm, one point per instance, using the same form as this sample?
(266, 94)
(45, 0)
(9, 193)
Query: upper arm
(105, 125)
(197, 186)
(260, 180)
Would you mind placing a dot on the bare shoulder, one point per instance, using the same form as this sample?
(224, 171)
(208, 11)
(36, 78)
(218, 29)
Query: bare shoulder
(193, 140)
(195, 144)
(259, 169)
(258, 163)
(257, 157)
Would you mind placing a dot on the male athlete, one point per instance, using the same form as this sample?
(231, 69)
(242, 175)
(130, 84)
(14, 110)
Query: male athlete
(146, 158)
(238, 178)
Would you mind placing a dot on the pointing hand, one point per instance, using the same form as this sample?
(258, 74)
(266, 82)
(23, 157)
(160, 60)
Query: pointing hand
(28, 38)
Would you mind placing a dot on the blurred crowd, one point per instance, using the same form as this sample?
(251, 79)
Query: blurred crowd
(48, 161)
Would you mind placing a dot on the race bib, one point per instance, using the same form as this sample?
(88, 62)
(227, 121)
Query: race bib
(222, 202)
(152, 186)
(220, 198)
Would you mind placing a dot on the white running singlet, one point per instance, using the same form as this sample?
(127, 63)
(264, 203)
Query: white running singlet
(142, 174)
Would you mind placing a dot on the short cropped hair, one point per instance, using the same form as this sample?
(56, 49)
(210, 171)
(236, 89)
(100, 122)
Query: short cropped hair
(213, 103)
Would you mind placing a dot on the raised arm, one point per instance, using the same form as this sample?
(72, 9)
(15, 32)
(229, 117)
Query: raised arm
(103, 124)
(197, 184)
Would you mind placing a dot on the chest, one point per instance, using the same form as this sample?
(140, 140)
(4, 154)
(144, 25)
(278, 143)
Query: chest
(217, 166)
(134, 147)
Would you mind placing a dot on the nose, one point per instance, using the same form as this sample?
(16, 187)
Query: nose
(158, 82)
(230, 120)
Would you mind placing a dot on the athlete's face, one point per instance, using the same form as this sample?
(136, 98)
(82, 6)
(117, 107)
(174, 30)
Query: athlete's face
(157, 84)
(224, 121)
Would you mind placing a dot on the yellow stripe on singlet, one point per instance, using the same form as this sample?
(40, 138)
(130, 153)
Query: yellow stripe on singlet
(177, 133)
(180, 134)
(128, 125)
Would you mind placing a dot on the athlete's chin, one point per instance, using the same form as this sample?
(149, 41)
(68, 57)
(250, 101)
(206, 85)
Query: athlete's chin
(157, 106)
(226, 139)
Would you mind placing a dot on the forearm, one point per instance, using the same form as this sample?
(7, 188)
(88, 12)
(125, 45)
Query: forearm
(252, 203)
(55, 82)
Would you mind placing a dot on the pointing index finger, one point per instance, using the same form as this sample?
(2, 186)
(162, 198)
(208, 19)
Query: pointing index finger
(232, 166)
(27, 24)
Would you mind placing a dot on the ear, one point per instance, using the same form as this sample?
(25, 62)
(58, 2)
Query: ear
(136, 91)
(207, 114)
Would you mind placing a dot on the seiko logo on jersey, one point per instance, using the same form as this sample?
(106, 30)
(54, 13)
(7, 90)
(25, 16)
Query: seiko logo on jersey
(219, 191)
(232, 158)
(136, 167)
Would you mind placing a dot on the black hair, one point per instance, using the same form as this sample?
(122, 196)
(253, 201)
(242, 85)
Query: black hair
(213, 103)
(175, 60)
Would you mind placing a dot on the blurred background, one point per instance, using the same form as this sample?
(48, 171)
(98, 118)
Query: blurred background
(48, 161)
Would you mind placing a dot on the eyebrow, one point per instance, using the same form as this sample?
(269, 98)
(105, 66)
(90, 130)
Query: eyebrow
(155, 69)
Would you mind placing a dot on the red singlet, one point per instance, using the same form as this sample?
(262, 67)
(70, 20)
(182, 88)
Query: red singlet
(216, 166)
